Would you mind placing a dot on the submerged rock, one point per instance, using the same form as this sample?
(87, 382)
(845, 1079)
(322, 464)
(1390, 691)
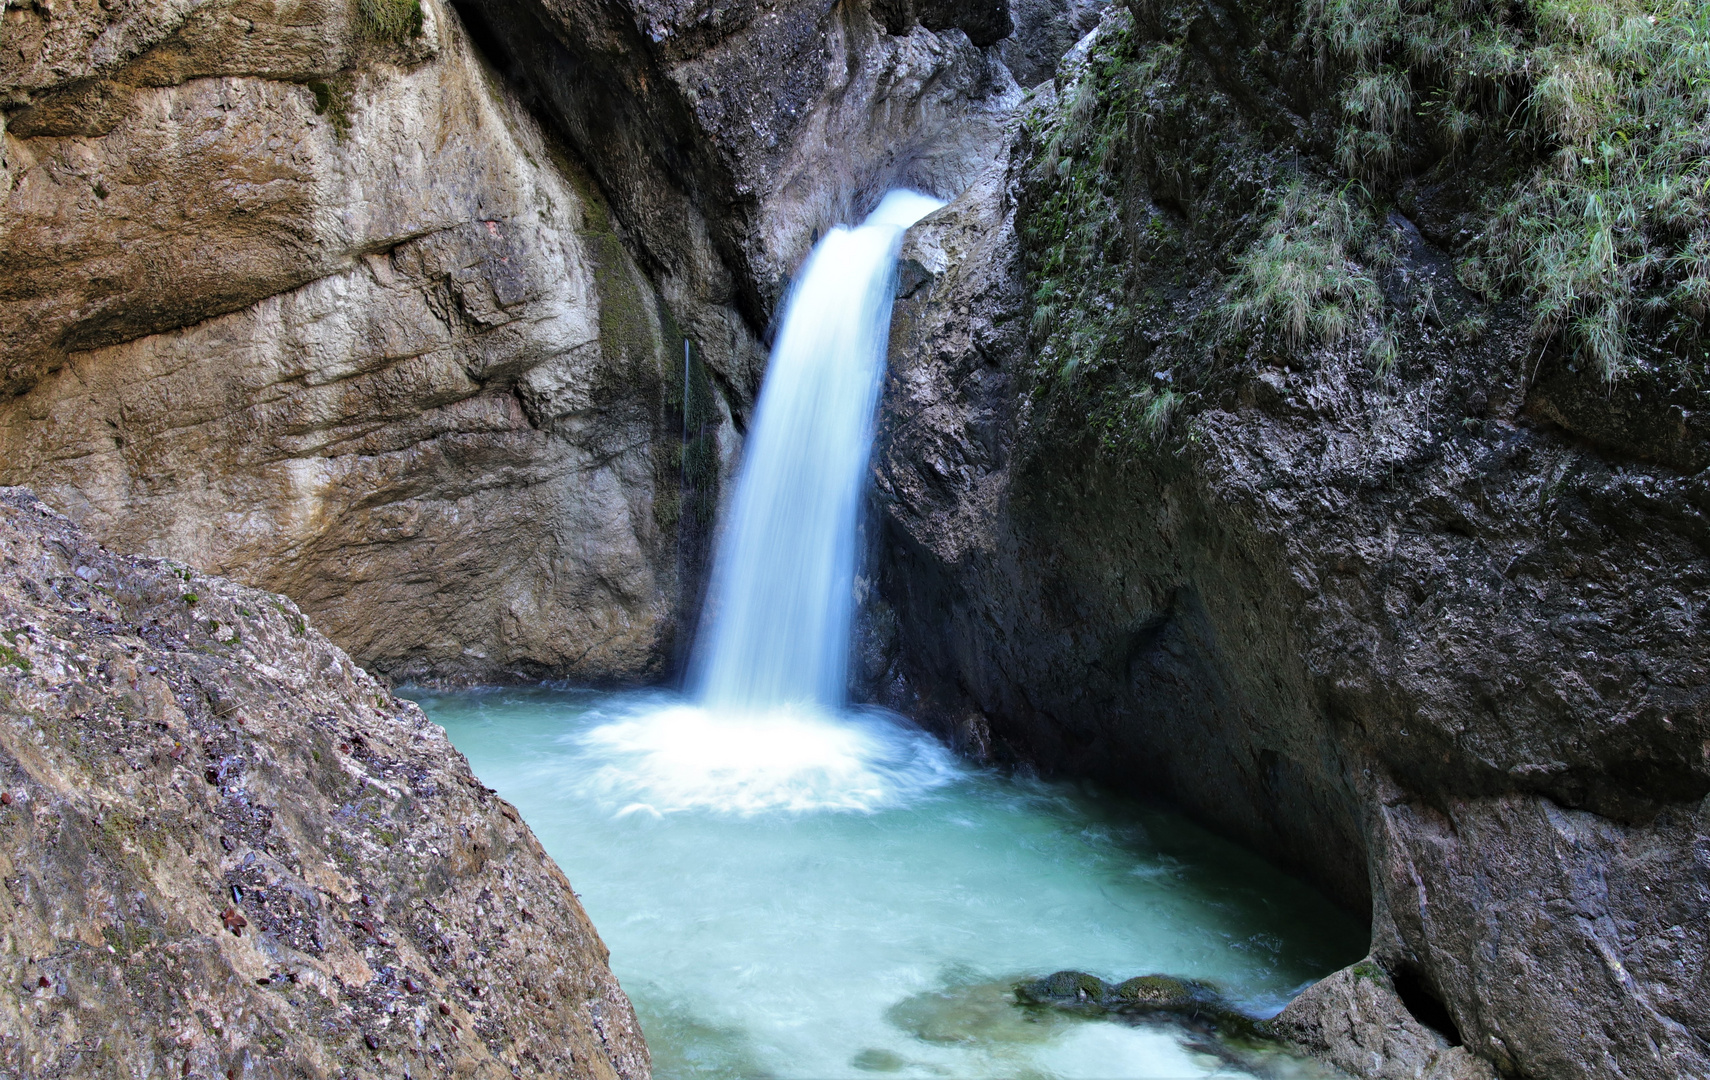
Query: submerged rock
(1142, 995)
(227, 850)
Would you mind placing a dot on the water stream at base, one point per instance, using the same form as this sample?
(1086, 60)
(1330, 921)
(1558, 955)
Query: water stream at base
(792, 888)
(857, 903)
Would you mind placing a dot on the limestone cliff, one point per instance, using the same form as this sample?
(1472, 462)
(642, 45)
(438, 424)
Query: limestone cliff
(302, 295)
(308, 293)
(1379, 602)
(225, 850)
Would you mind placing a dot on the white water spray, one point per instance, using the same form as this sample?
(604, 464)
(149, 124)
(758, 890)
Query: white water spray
(770, 665)
(776, 630)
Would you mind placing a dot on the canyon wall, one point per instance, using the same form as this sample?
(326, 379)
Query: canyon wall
(448, 332)
(306, 297)
(1421, 619)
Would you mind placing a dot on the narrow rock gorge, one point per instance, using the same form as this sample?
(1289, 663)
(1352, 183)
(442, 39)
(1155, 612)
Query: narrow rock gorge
(1296, 417)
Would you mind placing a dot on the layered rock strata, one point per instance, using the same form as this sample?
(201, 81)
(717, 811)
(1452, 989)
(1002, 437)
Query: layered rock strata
(228, 851)
(301, 295)
(1427, 635)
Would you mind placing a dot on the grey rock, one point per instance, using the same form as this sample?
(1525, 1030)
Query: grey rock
(1355, 1020)
(1434, 642)
(1045, 30)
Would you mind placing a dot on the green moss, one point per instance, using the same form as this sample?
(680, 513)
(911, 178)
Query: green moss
(124, 831)
(294, 621)
(10, 657)
(332, 100)
(1089, 288)
(1072, 226)
(128, 939)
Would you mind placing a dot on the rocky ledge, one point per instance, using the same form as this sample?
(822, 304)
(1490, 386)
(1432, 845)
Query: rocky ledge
(228, 851)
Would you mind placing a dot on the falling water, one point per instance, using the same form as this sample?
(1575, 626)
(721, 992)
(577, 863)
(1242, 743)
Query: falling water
(765, 729)
(776, 631)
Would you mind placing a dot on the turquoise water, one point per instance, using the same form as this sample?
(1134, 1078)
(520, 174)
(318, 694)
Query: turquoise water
(796, 894)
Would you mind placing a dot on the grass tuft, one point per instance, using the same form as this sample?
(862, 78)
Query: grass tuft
(394, 21)
(1302, 278)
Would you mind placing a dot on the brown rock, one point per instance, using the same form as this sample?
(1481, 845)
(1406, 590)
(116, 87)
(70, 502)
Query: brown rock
(383, 352)
(121, 893)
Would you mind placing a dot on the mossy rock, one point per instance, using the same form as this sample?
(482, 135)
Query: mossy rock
(1065, 990)
(1164, 993)
(1143, 995)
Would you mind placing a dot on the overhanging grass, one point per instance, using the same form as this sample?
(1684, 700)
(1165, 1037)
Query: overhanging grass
(1609, 236)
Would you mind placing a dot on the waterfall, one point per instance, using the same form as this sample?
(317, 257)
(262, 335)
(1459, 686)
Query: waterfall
(767, 731)
(776, 626)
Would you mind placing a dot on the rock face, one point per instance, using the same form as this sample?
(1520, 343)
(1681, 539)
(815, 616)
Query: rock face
(226, 850)
(1427, 636)
(730, 138)
(305, 295)
(1357, 1021)
(1044, 31)
(301, 295)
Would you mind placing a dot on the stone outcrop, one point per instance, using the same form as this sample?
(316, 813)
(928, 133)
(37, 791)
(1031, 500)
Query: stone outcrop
(228, 851)
(1356, 1020)
(305, 297)
(1427, 636)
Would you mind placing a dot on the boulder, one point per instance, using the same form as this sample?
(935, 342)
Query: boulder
(227, 850)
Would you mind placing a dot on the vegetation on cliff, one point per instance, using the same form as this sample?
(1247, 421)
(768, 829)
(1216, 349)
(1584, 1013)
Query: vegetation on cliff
(1603, 224)
(1178, 215)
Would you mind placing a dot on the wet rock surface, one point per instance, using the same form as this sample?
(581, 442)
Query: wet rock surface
(1432, 639)
(1143, 995)
(226, 850)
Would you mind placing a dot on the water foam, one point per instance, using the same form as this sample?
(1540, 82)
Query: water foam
(676, 757)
